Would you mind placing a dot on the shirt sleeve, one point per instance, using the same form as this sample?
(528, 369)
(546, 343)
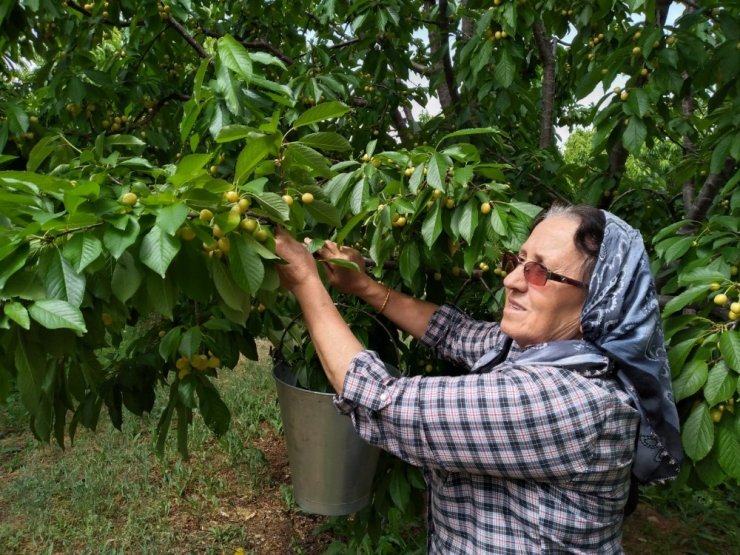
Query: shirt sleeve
(516, 422)
(456, 337)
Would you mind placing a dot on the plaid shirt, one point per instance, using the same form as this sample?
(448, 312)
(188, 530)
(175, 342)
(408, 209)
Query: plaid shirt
(517, 459)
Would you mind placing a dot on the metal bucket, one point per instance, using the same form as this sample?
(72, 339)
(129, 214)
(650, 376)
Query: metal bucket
(331, 467)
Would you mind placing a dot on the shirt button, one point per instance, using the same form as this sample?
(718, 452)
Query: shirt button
(384, 396)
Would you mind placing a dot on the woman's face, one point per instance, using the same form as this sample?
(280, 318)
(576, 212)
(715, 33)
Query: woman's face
(535, 314)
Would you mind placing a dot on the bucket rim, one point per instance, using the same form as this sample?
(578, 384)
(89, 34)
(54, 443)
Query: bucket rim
(281, 364)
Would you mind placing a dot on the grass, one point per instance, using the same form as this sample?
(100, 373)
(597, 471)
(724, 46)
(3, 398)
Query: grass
(110, 494)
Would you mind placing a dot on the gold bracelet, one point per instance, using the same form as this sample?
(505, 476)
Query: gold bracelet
(385, 301)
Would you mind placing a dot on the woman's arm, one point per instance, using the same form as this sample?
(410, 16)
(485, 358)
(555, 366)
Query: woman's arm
(335, 343)
(410, 314)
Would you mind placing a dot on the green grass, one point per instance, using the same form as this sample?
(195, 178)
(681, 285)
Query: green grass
(109, 493)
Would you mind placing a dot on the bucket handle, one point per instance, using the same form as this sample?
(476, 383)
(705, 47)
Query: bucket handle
(277, 352)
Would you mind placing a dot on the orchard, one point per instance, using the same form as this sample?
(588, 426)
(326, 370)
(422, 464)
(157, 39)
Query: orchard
(149, 150)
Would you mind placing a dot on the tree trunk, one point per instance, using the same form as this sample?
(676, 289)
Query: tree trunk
(546, 49)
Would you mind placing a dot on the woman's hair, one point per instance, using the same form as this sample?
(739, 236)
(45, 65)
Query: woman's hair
(588, 236)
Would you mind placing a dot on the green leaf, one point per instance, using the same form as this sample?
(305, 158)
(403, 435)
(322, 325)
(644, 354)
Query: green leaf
(82, 250)
(697, 435)
(302, 155)
(56, 314)
(62, 282)
(720, 384)
(677, 353)
(399, 488)
(30, 362)
(638, 103)
(499, 220)
(126, 278)
(729, 346)
(158, 249)
(635, 134)
(12, 263)
(680, 301)
(432, 226)
(41, 151)
(701, 275)
(437, 172)
(692, 379)
(251, 155)
(226, 286)
(169, 344)
(728, 449)
(409, 262)
(18, 313)
(719, 154)
(468, 220)
(17, 118)
(234, 132)
(163, 425)
(505, 70)
(190, 342)
(529, 211)
(117, 241)
(673, 248)
(274, 205)
(324, 213)
(321, 112)
(326, 141)
(215, 412)
(171, 217)
(162, 294)
(246, 265)
(123, 140)
(234, 56)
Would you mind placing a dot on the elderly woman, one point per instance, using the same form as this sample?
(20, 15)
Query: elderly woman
(568, 396)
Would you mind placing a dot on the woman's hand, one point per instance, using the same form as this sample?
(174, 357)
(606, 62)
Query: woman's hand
(347, 280)
(300, 266)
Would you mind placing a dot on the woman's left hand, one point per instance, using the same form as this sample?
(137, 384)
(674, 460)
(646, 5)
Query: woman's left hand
(300, 265)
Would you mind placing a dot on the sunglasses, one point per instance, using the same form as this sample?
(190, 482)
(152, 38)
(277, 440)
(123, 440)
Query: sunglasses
(534, 272)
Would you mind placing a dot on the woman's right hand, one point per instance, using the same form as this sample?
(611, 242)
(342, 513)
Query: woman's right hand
(346, 280)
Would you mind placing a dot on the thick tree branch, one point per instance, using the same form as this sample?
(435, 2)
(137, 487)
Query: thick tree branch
(177, 26)
(545, 47)
(710, 188)
(687, 108)
(444, 26)
(436, 47)
(400, 125)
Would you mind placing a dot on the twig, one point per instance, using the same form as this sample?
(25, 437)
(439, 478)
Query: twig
(177, 26)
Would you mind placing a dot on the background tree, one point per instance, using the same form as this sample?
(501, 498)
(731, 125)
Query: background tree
(149, 148)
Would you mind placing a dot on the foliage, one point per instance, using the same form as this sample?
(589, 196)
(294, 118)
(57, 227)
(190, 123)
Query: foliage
(149, 149)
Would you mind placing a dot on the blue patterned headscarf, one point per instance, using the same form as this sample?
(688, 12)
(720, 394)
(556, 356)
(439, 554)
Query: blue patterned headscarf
(621, 325)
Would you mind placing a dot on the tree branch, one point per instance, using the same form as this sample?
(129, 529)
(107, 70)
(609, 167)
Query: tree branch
(255, 45)
(698, 210)
(436, 46)
(545, 48)
(177, 26)
(444, 26)
(687, 108)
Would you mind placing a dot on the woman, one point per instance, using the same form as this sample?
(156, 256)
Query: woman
(532, 451)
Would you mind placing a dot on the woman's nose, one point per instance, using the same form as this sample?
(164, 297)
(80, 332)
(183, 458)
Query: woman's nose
(515, 278)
